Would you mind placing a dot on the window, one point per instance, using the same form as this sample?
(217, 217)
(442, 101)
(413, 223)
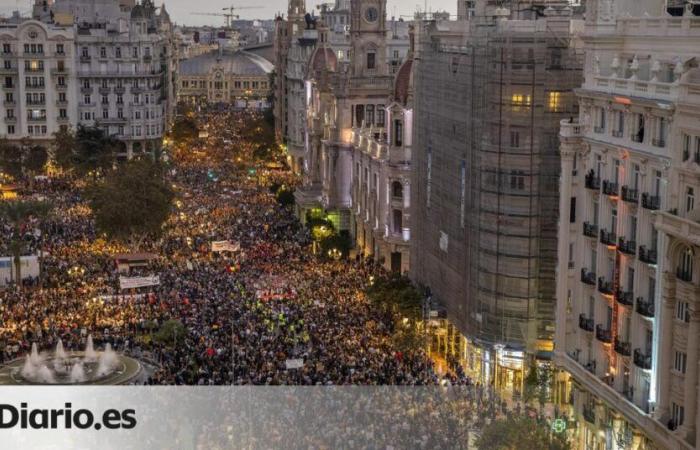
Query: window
(397, 189)
(682, 311)
(87, 100)
(689, 199)
(85, 52)
(680, 361)
(105, 114)
(60, 49)
(370, 115)
(686, 147)
(105, 100)
(685, 265)
(619, 124)
(398, 221)
(515, 139)
(520, 100)
(371, 60)
(6, 48)
(677, 416)
(517, 180)
(554, 101)
(118, 52)
(398, 133)
(602, 120)
(572, 210)
(103, 52)
(62, 97)
(381, 116)
(62, 113)
(10, 129)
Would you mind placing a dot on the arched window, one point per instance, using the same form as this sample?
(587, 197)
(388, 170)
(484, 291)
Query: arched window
(397, 189)
(685, 265)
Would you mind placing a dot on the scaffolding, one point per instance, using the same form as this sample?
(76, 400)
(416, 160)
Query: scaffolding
(490, 95)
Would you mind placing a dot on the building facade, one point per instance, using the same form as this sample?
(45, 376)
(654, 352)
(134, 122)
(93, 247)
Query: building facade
(490, 93)
(628, 281)
(225, 76)
(108, 63)
(381, 182)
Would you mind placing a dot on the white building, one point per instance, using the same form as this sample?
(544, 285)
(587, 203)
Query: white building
(628, 326)
(105, 63)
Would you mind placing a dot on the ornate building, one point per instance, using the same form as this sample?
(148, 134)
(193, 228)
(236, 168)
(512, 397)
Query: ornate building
(104, 63)
(225, 76)
(628, 283)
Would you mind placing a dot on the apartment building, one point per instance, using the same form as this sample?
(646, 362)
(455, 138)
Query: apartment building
(104, 63)
(627, 278)
(490, 93)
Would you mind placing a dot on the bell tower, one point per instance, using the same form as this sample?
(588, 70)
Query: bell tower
(368, 36)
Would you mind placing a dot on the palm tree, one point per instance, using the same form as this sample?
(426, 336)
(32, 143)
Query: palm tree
(17, 213)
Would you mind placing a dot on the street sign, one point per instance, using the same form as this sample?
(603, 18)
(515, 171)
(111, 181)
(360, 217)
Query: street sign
(559, 425)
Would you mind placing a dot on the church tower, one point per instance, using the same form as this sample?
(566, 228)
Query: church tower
(368, 36)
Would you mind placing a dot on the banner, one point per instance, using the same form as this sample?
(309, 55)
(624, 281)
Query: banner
(294, 364)
(138, 282)
(225, 246)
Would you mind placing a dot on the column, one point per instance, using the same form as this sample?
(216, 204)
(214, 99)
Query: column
(661, 360)
(691, 375)
(567, 162)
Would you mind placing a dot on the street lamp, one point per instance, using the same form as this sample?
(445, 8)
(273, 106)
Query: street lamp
(335, 254)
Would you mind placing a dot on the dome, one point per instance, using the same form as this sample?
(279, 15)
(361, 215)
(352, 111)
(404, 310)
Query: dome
(237, 63)
(323, 58)
(403, 84)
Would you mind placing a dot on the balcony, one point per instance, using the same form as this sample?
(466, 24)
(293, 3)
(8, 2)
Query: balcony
(630, 195)
(104, 91)
(61, 87)
(36, 102)
(645, 308)
(588, 277)
(119, 90)
(86, 90)
(661, 143)
(627, 247)
(85, 58)
(605, 287)
(599, 130)
(12, 119)
(592, 182)
(589, 414)
(34, 87)
(8, 71)
(36, 119)
(642, 360)
(625, 297)
(610, 188)
(623, 348)
(585, 324)
(651, 202)
(61, 102)
(62, 119)
(34, 70)
(603, 335)
(647, 256)
(9, 103)
(590, 230)
(56, 72)
(608, 238)
(638, 137)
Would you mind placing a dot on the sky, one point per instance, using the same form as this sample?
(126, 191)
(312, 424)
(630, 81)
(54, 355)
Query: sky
(180, 10)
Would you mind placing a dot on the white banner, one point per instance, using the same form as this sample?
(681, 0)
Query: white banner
(137, 282)
(294, 363)
(225, 246)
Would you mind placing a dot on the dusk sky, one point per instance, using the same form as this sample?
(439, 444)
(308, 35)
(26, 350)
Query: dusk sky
(181, 10)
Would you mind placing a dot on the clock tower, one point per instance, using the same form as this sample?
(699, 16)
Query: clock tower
(368, 36)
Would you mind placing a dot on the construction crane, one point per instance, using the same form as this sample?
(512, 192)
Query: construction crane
(230, 15)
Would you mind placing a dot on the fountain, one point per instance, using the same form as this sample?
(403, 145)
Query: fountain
(69, 367)
(90, 353)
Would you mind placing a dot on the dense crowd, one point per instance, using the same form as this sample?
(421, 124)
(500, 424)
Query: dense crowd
(233, 334)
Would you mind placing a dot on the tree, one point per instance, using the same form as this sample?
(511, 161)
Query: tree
(132, 202)
(18, 213)
(398, 294)
(185, 130)
(170, 333)
(520, 433)
(285, 197)
(64, 145)
(95, 152)
(24, 160)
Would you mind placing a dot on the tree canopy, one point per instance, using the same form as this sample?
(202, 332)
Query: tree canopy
(87, 150)
(185, 129)
(132, 202)
(22, 160)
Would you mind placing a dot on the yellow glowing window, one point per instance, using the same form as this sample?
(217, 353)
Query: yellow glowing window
(519, 100)
(554, 101)
(34, 65)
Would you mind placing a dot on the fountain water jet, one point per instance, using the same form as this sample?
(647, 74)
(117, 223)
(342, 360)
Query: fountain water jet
(44, 375)
(60, 352)
(90, 353)
(107, 362)
(77, 373)
(34, 358)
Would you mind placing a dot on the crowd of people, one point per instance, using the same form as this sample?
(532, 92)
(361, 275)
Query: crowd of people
(234, 335)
